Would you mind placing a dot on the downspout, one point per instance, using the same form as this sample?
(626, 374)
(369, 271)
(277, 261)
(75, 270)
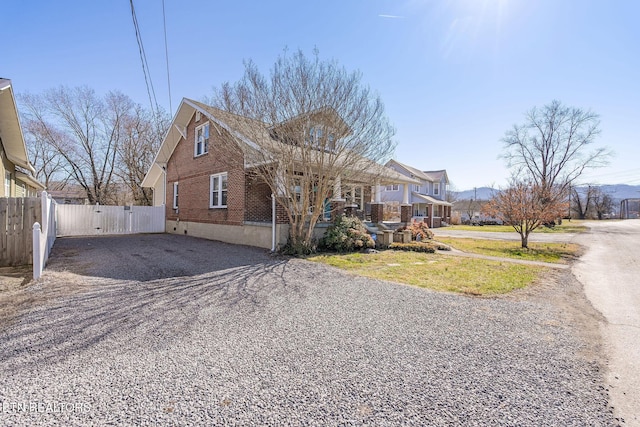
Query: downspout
(164, 189)
(273, 222)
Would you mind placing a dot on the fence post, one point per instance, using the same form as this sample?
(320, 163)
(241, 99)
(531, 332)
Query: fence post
(37, 257)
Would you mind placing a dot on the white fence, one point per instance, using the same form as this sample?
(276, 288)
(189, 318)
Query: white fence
(89, 220)
(44, 236)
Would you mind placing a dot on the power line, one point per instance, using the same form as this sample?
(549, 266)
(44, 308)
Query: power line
(166, 54)
(145, 64)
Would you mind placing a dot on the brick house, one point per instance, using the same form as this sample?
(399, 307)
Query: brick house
(427, 197)
(204, 176)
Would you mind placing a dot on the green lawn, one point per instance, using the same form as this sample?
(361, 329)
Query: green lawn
(575, 226)
(437, 272)
(545, 252)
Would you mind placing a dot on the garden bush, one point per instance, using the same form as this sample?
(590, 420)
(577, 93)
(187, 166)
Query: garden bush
(419, 231)
(414, 247)
(346, 234)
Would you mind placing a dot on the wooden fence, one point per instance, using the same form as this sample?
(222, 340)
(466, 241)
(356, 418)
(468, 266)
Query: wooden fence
(17, 216)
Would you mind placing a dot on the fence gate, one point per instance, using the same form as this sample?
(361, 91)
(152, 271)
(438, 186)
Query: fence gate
(88, 220)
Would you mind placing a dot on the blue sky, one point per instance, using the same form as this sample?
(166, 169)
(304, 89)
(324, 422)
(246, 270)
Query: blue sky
(454, 74)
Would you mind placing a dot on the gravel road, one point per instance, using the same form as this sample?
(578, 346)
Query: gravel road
(173, 330)
(610, 272)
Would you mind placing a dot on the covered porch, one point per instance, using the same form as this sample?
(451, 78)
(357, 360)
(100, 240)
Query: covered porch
(432, 211)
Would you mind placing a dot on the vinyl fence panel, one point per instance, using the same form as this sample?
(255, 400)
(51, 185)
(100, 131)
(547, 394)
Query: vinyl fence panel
(89, 220)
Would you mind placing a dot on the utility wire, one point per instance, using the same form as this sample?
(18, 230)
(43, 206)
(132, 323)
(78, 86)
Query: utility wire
(145, 65)
(166, 55)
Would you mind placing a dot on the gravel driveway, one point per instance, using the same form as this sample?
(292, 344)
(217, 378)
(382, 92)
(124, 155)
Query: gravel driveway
(173, 330)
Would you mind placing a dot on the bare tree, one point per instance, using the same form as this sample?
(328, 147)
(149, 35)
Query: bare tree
(552, 147)
(323, 128)
(142, 134)
(525, 205)
(87, 135)
(582, 200)
(602, 203)
(48, 163)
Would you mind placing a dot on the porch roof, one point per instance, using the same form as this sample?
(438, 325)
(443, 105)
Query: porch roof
(428, 199)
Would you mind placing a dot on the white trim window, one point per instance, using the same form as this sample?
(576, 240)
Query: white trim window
(392, 187)
(201, 144)
(218, 190)
(175, 195)
(416, 188)
(321, 139)
(436, 188)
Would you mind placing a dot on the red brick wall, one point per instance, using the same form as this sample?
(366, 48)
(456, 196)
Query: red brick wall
(193, 177)
(257, 199)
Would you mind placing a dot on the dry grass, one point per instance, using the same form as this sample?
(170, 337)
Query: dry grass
(575, 226)
(20, 294)
(560, 253)
(437, 272)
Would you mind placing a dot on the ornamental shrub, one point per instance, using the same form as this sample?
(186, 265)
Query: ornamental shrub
(346, 234)
(419, 231)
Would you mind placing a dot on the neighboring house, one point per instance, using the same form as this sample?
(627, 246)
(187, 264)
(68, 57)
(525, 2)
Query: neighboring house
(426, 198)
(469, 211)
(69, 196)
(202, 173)
(15, 169)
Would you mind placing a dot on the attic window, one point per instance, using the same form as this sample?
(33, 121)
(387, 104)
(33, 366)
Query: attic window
(201, 144)
(198, 116)
(319, 138)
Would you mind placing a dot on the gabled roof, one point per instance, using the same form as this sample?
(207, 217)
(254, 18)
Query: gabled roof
(252, 137)
(433, 176)
(10, 130)
(428, 199)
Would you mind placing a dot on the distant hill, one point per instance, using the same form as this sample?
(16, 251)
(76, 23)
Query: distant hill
(622, 191)
(480, 193)
(617, 191)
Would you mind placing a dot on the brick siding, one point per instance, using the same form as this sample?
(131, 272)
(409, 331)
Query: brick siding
(193, 177)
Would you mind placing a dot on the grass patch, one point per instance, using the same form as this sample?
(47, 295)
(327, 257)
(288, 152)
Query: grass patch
(575, 226)
(559, 253)
(437, 272)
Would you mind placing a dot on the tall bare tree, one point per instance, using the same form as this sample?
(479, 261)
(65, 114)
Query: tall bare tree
(602, 203)
(582, 200)
(323, 127)
(553, 146)
(48, 163)
(142, 134)
(91, 138)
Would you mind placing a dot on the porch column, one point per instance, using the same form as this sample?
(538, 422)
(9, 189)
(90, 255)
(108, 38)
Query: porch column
(405, 195)
(405, 213)
(337, 202)
(377, 207)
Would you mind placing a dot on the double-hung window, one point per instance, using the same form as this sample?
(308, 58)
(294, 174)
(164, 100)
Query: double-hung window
(175, 195)
(416, 188)
(436, 188)
(218, 191)
(392, 187)
(202, 140)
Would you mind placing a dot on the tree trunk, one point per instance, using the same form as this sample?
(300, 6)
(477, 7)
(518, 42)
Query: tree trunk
(524, 237)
